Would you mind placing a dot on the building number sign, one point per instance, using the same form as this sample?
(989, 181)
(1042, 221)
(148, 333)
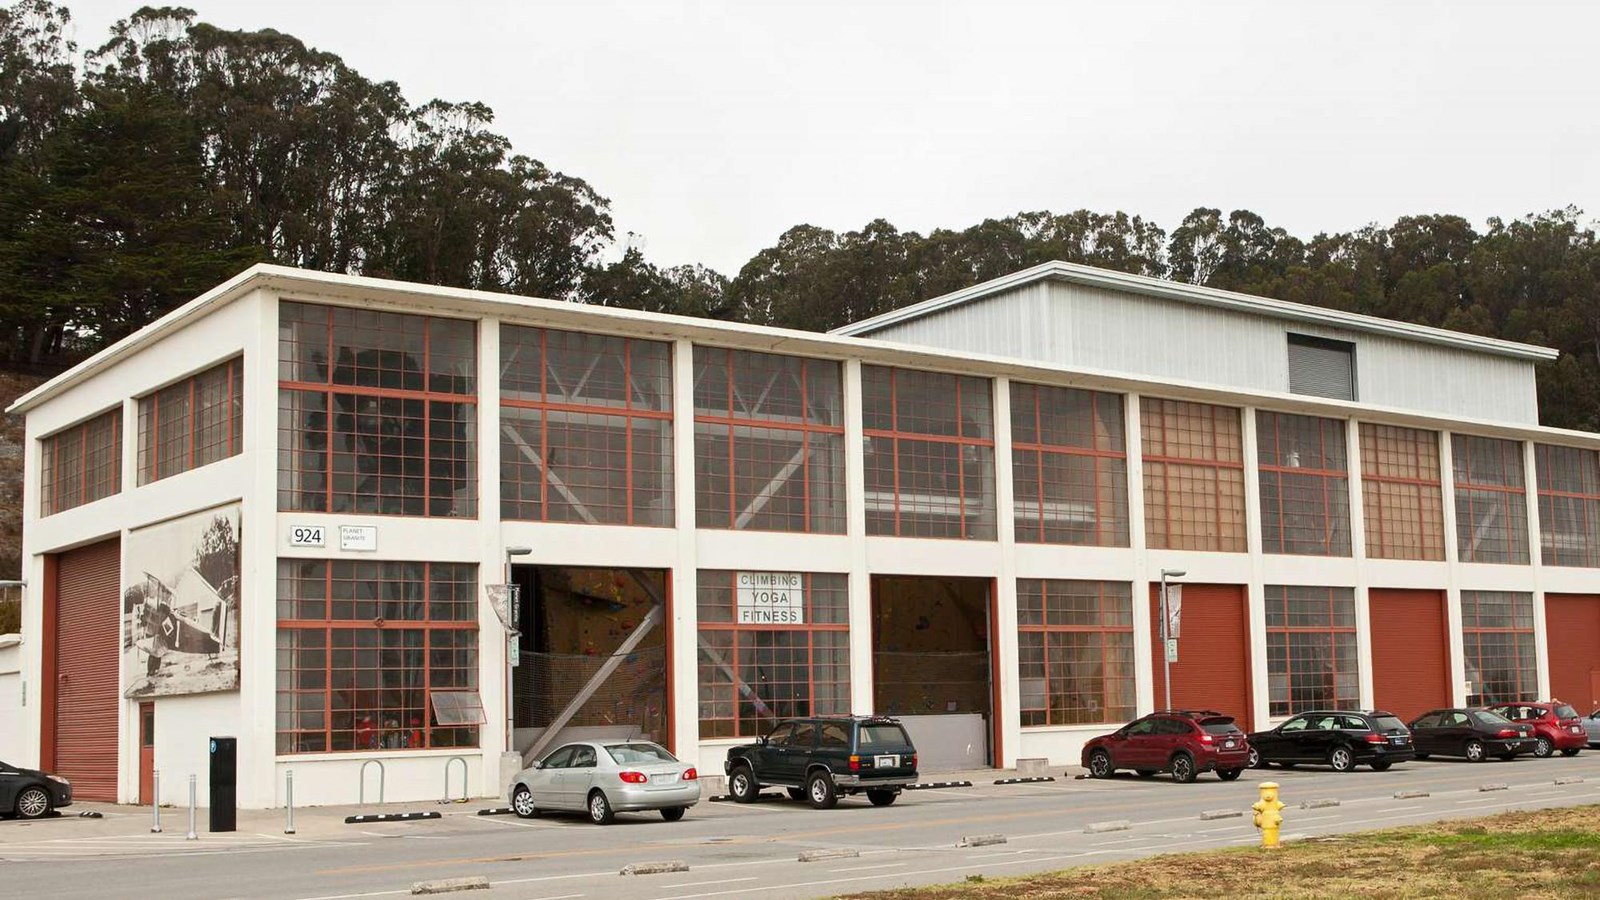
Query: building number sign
(770, 598)
(308, 536)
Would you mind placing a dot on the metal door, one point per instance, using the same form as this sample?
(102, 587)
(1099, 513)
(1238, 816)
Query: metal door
(147, 752)
(1572, 622)
(1410, 652)
(82, 713)
(1213, 667)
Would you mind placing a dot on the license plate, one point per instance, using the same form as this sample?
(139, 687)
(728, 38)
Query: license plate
(1576, 729)
(885, 762)
(1397, 740)
(1228, 744)
(663, 778)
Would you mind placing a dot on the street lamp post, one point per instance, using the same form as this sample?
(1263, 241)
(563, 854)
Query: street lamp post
(1166, 629)
(512, 597)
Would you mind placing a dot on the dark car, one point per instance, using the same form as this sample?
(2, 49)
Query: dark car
(1556, 726)
(1336, 738)
(817, 759)
(1473, 732)
(1183, 742)
(29, 793)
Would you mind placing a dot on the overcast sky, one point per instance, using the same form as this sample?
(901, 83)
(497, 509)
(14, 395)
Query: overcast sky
(713, 127)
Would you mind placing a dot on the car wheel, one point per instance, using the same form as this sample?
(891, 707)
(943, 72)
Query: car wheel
(1229, 774)
(1146, 773)
(795, 794)
(32, 803)
(882, 798)
(1382, 765)
(522, 803)
(672, 813)
(820, 791)
(1100, 764)
(1542, 748)
(1183, 770)
(742, 785)
(600, 811)
(1341, 759)
(1571, 751)
(1474, 751)
(1255, 758)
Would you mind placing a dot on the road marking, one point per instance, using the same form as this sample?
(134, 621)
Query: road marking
(488, 820)
(703, 883)
(866, 868)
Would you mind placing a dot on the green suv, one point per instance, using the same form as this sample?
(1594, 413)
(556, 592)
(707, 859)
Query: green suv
(817, 759)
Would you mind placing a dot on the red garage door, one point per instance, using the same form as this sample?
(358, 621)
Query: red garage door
(1213, 667)
(1573, 623)
(1410, 651)
(82, 719)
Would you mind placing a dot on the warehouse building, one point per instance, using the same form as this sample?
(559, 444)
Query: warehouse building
(349, 520)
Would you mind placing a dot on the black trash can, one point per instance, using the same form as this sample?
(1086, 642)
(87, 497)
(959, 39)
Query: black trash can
(224, 784)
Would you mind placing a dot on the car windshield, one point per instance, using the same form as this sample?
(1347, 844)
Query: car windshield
(1485, 717)
(1388, 724)
(1563, 711)
(884, 736)
(1218, 725)
(632, 754)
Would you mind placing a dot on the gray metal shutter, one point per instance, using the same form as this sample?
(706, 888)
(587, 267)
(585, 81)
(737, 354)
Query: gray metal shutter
(1321, 368)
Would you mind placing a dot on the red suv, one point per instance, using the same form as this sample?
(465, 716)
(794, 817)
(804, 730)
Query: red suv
(1556, 726)
(1181, 741)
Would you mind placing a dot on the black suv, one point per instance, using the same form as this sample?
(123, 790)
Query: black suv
(820, 758)
(1342, 739)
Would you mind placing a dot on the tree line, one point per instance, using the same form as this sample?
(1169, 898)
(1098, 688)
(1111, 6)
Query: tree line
(140, 173)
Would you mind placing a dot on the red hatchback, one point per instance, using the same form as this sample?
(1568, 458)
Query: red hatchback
(1556, 726)
(1183, 742)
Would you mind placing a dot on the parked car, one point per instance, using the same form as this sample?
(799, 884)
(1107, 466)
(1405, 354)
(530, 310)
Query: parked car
(604, 778)
(1183, 742)
(30, 793)
(1475, 733)
(1591, 726)
(818, 759)
(1556, 726)
(1338, 738)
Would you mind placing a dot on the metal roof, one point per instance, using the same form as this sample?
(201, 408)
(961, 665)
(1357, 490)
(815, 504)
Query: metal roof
(1205, 296)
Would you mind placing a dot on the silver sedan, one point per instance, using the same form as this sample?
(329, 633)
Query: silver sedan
(1591, 724)
(603, 778)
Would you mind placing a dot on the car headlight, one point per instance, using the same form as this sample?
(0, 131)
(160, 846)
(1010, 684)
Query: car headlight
(59, 780)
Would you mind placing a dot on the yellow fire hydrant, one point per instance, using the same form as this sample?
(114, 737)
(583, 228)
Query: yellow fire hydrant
(1268, 816)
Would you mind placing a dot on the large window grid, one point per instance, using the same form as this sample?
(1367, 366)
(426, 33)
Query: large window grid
(376, 412)
(195, 422)
(769, 442)
(1491, 500)
(929, 454)
(361, 647)
(585, 428)
(1311, 649)
(1569, 505)
(1498, 643)
(1193, 476)
(1069, 466)
(1403, 503)
(1075, 651)
(81, 464)
(752, 676)
(1305, 485)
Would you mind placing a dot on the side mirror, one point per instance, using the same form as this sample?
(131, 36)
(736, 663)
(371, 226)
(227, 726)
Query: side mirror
(762, 740)
(536, 764)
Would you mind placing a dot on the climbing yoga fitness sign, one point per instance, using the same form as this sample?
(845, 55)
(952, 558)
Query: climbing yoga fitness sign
(770, 598)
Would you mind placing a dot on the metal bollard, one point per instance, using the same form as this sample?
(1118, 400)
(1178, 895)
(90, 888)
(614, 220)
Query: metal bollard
(288, 796)
(191, 835)
(155, 801)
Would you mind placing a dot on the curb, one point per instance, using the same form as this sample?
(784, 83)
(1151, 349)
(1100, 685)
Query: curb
(495, 811)
(1035, 779)
(1319, 804)
(827, 853)
(1411, 795)
(982, 840)
(1493, 787)
(1570, 779)
(391, 817)
(655, 868)
(760, 798)
(931, 785)
(1212, 814)
(1103, 827)
(451, 885)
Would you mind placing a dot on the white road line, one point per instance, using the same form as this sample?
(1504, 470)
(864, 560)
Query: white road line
(489, 820)
(703, 883)
(866, 868)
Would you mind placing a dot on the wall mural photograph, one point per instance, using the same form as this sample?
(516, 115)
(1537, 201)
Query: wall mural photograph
(180, 606)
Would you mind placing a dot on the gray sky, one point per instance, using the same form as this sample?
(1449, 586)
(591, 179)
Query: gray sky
(715, 126)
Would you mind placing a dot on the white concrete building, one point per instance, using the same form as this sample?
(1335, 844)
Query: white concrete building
(955, 513)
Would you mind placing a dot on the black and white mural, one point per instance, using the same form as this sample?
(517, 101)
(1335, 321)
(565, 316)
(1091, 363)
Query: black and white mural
(180, 606)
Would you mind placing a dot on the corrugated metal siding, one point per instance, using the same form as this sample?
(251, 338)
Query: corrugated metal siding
(88, 617)
(1573, 624)
(1004, 324)
(1213, 667)
(1410, 653)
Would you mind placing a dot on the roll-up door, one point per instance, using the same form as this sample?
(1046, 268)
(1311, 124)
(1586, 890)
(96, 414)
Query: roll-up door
(86, 653)
(1410, 651)
(1213, 667)
(1573, 624)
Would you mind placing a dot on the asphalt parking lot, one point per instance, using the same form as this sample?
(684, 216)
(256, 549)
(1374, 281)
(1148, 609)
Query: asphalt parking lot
(738, 851)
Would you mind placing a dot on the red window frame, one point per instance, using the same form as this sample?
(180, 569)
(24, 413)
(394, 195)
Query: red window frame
(1280, 618)
(894, 434)
(1334, 483)
(1510, 526)
(328, 627)
(1385, 448)
(628, 413)
(1116, 608)
(1158, 448)
(732, 693)
(1108, 456)
(1580, 490)
(60, 489)
(729, 418)
(1523, 645)
(151, 457)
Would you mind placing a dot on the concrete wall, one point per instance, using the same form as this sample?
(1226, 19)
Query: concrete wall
(12, 746)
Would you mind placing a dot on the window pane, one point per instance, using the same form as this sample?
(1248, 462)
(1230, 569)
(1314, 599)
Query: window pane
(1069, 471)
(1075, 651)
(81, 464)
(1193, 476)
(939, 483)
(1402, 500)
(1311, 648)
(1491, 509)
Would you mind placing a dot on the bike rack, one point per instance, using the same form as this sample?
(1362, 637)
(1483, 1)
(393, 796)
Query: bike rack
(447, 764)
(362, 790)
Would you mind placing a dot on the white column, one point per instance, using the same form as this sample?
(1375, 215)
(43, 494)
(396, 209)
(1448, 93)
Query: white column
(1006, 666)
(1541, 634)
(1144, 670)
(258, 571)
(500, 757)
(1358, 547)
(1452, 556)
(856, 530)
(1255, 591)
(685, 576)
